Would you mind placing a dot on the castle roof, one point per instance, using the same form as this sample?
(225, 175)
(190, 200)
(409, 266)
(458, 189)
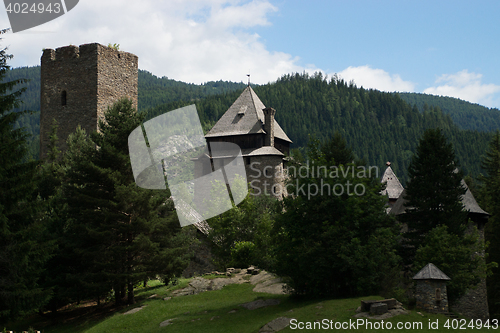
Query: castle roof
(430, 272)
(394, 188)
(265, 150)
(245, 116)
(468, 200)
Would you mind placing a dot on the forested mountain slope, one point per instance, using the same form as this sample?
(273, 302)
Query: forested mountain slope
(466, 115)
(379, 126)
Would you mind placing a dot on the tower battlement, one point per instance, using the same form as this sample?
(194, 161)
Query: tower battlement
(78, 83)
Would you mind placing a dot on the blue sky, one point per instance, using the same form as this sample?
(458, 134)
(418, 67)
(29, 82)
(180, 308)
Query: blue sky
(440, 47)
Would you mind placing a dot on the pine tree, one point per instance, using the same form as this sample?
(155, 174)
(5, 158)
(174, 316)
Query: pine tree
(331, 240)
(491, 193)
(434, 191)
(23, 249)
(336, 149)
(123, 234)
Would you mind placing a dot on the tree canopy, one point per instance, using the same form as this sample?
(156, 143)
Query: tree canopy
(24, 248)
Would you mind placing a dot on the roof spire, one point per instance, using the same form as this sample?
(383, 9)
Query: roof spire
(248, 79)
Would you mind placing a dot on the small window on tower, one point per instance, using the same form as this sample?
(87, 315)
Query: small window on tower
(438, 294)
(63, 97)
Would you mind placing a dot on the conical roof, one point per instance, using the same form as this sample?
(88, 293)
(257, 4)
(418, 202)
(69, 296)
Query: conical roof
(394, 188)
(245, 116)
(430, 272)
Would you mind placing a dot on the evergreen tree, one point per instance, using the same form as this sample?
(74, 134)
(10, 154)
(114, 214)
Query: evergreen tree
(334, 237)
(23, 248)
(122, 234)
(336, 149)
(456, 256)
(434, 191)
(491, 194)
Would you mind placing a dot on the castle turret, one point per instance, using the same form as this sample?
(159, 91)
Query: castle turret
(78, 83)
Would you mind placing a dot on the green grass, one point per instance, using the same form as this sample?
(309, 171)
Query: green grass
(209, 312)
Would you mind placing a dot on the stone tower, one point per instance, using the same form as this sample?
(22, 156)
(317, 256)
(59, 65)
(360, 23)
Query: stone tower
(78, 84)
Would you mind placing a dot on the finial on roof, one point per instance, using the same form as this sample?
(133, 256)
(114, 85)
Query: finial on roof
(388, 163)
(248, 79)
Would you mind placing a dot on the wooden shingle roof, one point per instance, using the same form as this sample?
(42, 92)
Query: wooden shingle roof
(394, 188)
(430, 272)
(470, 204)
(245, 116)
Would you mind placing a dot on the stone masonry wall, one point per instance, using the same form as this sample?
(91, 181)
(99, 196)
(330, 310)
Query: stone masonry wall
(474, 303)
(426, 296)
(91, 77)
(266, 175)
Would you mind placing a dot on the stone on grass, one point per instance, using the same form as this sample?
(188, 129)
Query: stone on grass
(275, 325)
(134, 310)
(260, 303)
(166, 322)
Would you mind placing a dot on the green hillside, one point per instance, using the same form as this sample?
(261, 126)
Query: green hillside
(466, 115)
(221, 311)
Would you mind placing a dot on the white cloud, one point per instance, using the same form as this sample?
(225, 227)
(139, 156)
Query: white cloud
(374, 78)
(466, 86)
(193, 41)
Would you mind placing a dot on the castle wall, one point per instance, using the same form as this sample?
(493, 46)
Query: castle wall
(78, 84)
(474, 303)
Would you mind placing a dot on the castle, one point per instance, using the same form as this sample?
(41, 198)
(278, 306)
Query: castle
(264, 144)
(78, 84)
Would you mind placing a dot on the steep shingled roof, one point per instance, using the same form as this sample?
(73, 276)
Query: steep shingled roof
(394, 188)
(430, 272)
(245, 116)
(470, 204)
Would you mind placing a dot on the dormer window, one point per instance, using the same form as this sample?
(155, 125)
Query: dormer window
(63, 97)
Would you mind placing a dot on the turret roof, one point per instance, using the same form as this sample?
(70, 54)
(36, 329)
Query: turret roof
(468, 200)
(245, 116)
(394, 188)
(430, 272)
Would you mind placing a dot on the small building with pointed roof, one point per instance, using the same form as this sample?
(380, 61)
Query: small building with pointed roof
(431, 293)
(252, 126)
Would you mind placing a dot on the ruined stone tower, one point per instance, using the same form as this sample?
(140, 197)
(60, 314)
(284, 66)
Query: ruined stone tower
(79, 83)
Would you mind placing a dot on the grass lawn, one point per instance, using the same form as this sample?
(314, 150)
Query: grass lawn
(213, 311)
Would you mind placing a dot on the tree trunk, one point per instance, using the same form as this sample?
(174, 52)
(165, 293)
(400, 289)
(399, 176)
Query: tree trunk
(131, 299)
